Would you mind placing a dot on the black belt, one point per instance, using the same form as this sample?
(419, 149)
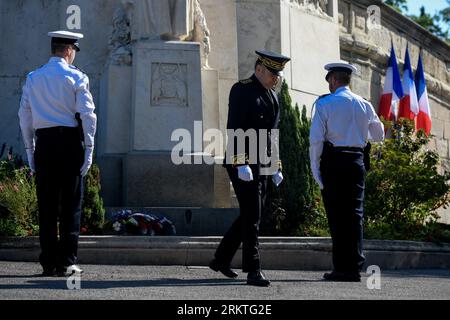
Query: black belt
(356, 149)
(56, 130)
(343, 148)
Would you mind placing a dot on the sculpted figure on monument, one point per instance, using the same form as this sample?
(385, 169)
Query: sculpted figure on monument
(119, 42)
(318, 6)
(181, 20)
(160, 19)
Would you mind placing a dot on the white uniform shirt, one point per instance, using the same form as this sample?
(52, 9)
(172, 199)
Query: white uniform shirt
(51, 96)
(344, 119)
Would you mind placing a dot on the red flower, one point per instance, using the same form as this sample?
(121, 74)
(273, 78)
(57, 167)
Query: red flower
(83, 230)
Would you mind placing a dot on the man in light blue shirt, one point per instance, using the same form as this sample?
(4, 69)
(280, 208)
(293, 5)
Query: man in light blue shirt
(342, 125)
(59, 148)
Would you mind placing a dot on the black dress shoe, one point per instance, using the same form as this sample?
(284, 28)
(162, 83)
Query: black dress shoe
(342, 276)
(257, 278)
(225, 270)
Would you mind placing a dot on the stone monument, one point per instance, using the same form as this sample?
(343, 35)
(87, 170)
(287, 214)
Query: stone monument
(154, 83)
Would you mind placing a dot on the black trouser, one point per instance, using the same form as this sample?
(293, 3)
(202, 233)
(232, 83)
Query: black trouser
(343, 175)
(245, 229)
(58, 158)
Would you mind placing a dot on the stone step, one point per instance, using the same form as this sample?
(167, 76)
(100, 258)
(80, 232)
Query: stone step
(283, 253)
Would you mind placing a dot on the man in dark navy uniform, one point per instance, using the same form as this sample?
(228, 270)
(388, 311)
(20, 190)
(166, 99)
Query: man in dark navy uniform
(253, 105)
(341, 126)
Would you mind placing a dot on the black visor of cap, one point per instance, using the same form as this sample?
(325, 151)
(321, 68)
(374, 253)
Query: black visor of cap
(275, 72)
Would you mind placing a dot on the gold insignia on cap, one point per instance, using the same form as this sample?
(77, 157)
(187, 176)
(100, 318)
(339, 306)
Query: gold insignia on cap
(271, 63)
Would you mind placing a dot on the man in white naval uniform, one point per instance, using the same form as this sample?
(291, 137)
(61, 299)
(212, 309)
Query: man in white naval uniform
(51, 98)
(342, 125)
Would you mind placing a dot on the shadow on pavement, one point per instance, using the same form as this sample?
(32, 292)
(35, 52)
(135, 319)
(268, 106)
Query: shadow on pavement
(12, 276)
(417, 273)
(108, 284)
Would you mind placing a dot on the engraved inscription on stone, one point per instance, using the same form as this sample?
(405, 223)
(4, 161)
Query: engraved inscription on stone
(169, 85)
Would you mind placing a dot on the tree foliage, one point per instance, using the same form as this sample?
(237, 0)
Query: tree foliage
(433, 23)
(294, 207)
(93, 212)
(399, 5)
(404, 188)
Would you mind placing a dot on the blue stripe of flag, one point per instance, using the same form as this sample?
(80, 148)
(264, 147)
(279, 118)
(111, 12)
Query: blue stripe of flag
(420, 79)
(397, 83)
(407, 67)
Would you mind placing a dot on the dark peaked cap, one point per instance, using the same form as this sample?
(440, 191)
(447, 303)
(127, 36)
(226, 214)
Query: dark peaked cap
(275, 62)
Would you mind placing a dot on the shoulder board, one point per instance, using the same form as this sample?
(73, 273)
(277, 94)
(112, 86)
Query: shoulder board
(323, 96)
(75, 67)
(246, 81)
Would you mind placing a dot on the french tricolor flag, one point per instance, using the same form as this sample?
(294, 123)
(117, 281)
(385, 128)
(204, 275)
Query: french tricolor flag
(392, 92)
(409, 106)
(423, 120)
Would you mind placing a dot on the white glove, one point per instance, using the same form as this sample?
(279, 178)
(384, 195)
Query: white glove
(30, 156)
(318, 179)
(245, 173)
(88, 153)
(277, 177)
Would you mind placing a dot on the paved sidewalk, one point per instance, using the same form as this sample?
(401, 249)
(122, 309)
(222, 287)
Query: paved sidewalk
(19, 280)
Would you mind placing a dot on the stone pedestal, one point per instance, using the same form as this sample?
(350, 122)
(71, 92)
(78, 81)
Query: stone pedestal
(113, 133)
(151, 179)
(167, 93)
(114, 113)
(142, 105)
(210, 90)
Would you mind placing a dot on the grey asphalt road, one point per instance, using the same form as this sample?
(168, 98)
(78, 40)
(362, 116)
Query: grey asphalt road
(21, 280)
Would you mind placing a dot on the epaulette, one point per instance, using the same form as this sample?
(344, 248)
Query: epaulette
(75, 67)
(246, 81)
(323, 96)
(320, 97)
